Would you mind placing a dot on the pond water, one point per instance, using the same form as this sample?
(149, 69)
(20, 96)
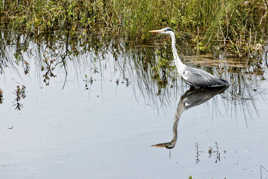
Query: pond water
(105, 115)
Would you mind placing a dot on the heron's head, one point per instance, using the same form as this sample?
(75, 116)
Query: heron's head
(166, 30)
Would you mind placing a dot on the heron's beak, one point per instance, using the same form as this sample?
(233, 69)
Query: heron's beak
(155, 31)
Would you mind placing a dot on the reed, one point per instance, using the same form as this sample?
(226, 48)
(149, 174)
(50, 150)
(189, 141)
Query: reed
(237, 27)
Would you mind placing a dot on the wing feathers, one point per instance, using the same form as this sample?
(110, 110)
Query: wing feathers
(202, 79)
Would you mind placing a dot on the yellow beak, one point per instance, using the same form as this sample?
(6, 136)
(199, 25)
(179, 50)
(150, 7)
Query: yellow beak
(155, 31)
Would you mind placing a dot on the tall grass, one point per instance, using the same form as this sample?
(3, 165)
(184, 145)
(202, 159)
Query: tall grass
(236, 26)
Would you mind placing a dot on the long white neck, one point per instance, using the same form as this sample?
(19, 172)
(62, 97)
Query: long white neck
(180, 66)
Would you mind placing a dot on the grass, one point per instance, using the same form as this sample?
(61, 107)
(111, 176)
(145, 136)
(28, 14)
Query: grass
(237, 27)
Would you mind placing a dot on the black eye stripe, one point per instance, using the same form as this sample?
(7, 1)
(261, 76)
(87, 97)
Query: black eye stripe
(169, 29)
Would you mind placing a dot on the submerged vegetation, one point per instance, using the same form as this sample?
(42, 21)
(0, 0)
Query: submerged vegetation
(235, 27)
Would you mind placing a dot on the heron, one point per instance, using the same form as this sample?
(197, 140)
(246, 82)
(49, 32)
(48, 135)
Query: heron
(194, 77)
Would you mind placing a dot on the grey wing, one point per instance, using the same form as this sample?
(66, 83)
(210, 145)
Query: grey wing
(202, 79)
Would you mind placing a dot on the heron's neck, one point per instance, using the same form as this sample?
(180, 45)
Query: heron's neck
(180, 66)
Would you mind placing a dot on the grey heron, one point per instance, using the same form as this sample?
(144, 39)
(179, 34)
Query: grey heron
(194, 77)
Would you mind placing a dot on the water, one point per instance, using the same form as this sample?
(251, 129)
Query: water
(101, 120)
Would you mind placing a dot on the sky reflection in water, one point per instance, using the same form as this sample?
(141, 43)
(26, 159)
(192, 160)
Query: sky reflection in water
(101, 119)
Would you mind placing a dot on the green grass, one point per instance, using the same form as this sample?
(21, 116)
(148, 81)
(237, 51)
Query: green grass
(237, 27)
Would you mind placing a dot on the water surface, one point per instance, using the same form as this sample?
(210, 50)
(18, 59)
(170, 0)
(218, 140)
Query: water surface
(96, 114)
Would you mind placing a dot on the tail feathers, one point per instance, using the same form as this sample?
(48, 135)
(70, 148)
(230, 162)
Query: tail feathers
(220, 83)
(224, 82)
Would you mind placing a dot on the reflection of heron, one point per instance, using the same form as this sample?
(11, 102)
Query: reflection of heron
(190, 98)
(194, 77)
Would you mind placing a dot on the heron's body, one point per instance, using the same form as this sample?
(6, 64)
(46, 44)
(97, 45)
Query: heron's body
(196, 78)
(201, 79)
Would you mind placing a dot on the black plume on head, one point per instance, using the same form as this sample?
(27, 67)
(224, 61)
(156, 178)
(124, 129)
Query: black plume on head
(168, 29)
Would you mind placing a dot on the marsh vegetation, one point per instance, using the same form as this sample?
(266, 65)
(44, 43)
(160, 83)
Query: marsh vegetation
(235, 27)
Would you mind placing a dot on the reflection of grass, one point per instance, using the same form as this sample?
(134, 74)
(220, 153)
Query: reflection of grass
(20, 94)
(149, 70)
(1, 96)
(263, 171)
